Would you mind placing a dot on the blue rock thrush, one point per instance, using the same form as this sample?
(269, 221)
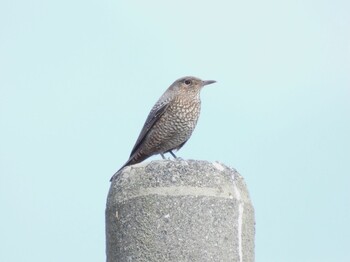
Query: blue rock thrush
(171, 121)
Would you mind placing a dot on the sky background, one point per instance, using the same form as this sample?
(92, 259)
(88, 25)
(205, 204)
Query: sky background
(78, 78)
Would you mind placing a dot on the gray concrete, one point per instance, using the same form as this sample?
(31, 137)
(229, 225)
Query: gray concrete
(177, 210)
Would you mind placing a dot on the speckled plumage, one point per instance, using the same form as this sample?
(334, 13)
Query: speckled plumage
(171, 121)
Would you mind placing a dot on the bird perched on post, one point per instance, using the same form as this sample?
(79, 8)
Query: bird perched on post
(171, 121)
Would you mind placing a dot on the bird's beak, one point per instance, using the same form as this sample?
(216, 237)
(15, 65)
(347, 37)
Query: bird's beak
(208, 82)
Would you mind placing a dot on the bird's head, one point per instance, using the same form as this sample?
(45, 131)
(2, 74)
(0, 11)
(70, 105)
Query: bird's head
(191, 84)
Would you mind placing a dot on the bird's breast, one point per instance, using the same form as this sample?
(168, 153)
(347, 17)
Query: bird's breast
(175, 126)
(180, 119)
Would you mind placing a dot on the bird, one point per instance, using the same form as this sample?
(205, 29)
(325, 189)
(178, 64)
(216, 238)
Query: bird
(170, 122)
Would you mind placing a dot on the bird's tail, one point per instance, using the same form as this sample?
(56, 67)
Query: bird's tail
(137, 158)
(128, 163)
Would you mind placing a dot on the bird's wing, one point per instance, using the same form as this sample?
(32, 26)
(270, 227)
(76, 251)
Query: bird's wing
(155, 114)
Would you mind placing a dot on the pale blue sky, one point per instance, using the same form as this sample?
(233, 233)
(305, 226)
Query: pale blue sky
(78, 78)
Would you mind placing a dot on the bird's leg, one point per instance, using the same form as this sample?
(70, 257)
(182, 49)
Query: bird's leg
(171, 152)
(162, 155)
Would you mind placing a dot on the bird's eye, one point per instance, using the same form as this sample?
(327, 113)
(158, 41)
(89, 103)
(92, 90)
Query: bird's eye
(188, 82)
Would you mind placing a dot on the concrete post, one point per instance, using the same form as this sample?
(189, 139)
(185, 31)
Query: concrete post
(177, 210)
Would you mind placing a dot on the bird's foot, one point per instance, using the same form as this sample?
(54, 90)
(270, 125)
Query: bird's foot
(171, 152)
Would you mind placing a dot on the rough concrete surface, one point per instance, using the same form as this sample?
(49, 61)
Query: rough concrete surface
(177, 210)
